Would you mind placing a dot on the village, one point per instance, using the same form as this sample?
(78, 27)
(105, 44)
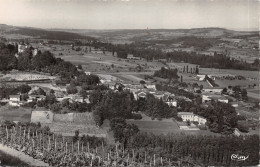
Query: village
(129, 83)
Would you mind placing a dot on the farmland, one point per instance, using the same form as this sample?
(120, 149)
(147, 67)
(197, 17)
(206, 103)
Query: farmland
(164, 126)
(15, 114)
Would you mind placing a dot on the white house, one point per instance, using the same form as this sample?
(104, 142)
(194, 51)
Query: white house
(213, 90)
(150, 86)
(139, 94)
(192, 117)
(15, 97)
(237, 132)
(131, 56)
(14, 100)
(208, 97)
(36, 97)
(201, 77)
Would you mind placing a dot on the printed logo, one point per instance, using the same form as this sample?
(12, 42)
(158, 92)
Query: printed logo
(237, 157)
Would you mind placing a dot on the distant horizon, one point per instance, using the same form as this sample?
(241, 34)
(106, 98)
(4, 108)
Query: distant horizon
(131, 14)
(57, 28)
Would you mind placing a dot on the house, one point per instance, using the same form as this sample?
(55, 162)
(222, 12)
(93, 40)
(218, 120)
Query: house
(15, 97)
(132, 57)
(87, 72)
(36, 98)
(35, 51)
(237, 132)
(209, 96)
(150, 86)
(159, 95)
(213, 90)
(170, 100)
(200, 77)
(139, 94)
(75, 98)
(21, 48)
(79, 99)
(189, 116)
(59, 94)
(14, 100)
(234, 104)
(97, 51)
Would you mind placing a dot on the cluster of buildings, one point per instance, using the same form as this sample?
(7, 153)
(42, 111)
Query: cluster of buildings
(188, 116)
(17, 101)
(22, 47)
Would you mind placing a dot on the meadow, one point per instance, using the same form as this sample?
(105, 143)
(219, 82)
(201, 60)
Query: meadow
(165, 127)
(20, 114)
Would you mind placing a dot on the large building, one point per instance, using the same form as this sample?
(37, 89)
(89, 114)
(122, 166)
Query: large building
(189, 116)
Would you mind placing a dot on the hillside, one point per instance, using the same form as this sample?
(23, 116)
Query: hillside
(130, 35)
(6, 31)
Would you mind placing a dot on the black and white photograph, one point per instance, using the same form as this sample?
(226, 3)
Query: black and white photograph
(135, 83)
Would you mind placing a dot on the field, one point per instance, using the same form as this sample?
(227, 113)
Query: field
(68, 129)
(25, 76)
(164, 127)
(252, 77)
(15, 114)
(67, 124)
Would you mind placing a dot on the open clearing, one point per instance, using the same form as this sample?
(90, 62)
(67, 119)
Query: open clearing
(15, 114)
(68, 129)
(164, 126)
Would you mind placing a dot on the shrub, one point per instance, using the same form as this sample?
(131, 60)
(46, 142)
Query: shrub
(202, 127)
(136, 116)
(242, 127)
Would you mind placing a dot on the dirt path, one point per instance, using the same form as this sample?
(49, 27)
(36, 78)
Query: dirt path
(23, 157)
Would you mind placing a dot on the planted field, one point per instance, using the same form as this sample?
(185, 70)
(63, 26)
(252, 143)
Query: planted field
(15, 114)
(68, 129)
(165, 127)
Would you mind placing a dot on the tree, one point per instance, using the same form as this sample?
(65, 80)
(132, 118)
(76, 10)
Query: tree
(142, 82)
(56, 107)
(24, 88)
(80, 66)
(52, 91)
(224, 91)
(24, 60)
(71, 89)
(188, 122)
(244, 94)
(39, 91)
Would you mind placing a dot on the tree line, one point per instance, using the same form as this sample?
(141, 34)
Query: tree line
(221, 61)
(166, 73)
(43, 62)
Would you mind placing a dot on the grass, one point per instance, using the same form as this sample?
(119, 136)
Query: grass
(165, 127)
(15, 114)
(68, 129)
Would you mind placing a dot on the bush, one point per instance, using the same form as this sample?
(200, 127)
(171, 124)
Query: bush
(136, 116)
(202, 127)
(243, 127)
(178, 119)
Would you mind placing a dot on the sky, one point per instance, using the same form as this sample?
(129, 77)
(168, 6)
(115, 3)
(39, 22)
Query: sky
(131, 14)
